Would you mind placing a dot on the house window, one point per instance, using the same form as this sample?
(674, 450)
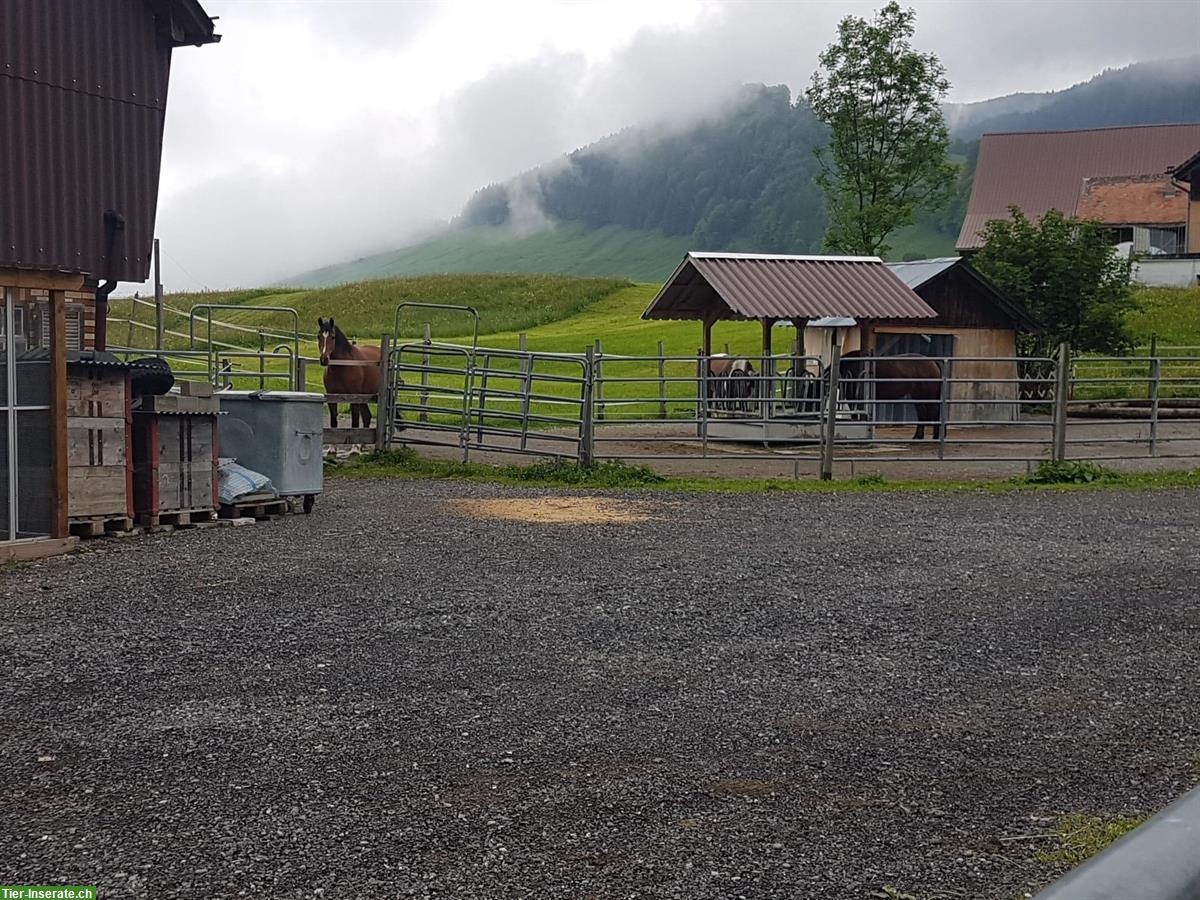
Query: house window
(18, 330)
(40, 330)
(1166, 240)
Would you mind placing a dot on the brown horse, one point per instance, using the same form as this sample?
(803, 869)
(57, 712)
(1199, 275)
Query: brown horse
(334, 346)
(909, 376)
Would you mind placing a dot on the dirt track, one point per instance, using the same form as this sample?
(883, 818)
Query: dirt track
(709, 697)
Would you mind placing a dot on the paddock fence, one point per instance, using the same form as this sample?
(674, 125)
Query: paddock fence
(595, 406)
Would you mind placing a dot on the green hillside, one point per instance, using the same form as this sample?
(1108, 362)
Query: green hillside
(567, 249)
(365, 310)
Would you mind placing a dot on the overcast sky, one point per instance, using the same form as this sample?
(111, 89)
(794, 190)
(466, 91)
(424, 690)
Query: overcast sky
(320, 130)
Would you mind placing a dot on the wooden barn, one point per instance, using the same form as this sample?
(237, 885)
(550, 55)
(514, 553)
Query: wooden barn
(83, 91)
(936, 307)
(974, 319)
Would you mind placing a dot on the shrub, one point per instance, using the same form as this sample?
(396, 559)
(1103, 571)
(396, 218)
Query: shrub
(1069, 472)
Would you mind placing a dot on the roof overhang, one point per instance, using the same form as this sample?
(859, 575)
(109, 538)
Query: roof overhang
(710, 287)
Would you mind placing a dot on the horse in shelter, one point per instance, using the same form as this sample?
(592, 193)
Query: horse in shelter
(909, 376)
(731, 379)
(333, 347)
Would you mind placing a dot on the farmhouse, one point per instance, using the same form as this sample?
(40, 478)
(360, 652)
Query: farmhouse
(1125, 177)
(84, 93)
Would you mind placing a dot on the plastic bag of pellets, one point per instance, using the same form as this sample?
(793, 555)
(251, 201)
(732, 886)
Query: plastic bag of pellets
(235, 481)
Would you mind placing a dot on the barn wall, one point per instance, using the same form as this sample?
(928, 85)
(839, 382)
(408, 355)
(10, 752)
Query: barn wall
(978, 342)
(84, 91)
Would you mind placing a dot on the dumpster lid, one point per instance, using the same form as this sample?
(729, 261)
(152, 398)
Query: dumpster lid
(292, 396)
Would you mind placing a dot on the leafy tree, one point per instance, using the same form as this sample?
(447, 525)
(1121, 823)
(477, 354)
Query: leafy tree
(887, 151)
(1066, 272)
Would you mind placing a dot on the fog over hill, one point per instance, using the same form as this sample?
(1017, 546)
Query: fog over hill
(740, 177)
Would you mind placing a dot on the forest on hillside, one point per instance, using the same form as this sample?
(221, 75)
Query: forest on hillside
(743, 178)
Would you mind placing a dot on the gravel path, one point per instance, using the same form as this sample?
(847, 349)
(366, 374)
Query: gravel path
(743, 696)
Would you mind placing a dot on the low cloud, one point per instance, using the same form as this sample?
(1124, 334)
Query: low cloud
(317, 132)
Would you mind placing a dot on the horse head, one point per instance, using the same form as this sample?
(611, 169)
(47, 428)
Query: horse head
(327, 339)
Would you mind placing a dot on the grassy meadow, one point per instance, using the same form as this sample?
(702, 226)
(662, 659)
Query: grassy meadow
(562, 314)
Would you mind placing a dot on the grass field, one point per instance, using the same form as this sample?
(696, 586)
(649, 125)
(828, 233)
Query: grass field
(561, 314)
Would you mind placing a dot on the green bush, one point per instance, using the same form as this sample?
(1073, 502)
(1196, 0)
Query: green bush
(1069, 472)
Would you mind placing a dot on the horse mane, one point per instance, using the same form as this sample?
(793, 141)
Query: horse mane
(340, 341)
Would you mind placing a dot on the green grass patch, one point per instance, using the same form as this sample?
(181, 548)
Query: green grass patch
(405, 463)
(1079, 837)
(1171, 314)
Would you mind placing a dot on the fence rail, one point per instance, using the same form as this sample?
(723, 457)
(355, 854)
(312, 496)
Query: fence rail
(597, 406)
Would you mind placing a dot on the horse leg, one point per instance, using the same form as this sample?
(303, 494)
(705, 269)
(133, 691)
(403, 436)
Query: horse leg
(333, 415)
(354, 415)
(366, 415)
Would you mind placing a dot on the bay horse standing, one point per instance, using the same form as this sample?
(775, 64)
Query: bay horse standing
(909, 376)
(334, 346)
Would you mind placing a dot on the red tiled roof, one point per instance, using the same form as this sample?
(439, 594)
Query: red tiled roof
(1132, 200)
(1040, 171)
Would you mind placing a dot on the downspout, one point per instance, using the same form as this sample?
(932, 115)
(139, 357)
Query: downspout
(114, 222)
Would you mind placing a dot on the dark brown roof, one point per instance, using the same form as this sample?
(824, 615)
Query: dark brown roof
(83, 90)
(1186, 169)
(752, 286)
(1044, 170)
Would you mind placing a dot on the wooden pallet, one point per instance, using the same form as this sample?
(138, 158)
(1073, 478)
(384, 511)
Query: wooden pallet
(178, 518)
(98, 526)
(261, 507)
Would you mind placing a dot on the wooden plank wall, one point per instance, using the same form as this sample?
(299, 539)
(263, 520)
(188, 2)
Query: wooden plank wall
(97, 444)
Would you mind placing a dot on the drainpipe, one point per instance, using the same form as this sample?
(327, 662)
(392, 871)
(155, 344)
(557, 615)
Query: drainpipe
(114, 222)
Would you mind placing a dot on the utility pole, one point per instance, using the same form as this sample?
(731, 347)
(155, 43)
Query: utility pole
(158, 300)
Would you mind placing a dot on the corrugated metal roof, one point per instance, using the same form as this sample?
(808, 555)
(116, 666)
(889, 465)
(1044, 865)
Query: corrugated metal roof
(83, 89)
(917, 272)
(1044, 170)
(754, 286)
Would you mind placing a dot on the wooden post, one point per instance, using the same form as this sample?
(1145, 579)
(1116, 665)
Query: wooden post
(301, 373)
(383, 413)
(662, 381)
(58, 411)
(829, 432)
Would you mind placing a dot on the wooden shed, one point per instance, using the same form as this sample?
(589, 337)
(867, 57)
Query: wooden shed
(976, 326)
(79, 180)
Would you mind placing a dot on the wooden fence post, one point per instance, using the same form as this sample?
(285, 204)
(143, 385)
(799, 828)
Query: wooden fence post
(829, 432)
(662, 381)
(383, 412)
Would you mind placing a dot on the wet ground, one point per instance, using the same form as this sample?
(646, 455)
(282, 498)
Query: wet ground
(426, 690)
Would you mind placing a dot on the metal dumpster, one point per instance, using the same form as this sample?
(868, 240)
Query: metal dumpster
(277, 433)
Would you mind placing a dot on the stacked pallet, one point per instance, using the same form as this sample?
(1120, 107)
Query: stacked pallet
(175, 457)
(98, 474)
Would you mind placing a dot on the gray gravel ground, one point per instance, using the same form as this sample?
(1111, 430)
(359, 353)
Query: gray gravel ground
(750, 696)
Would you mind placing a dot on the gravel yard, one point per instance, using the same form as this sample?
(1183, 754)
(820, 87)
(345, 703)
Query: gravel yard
(716, 696)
